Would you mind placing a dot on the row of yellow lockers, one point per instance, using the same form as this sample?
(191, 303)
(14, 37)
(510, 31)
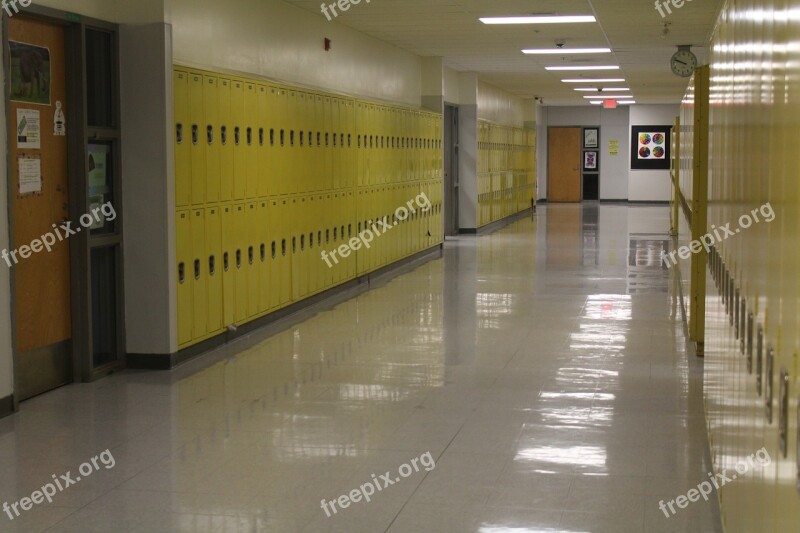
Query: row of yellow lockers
(502, 194)
(241, 260)
(242, 139)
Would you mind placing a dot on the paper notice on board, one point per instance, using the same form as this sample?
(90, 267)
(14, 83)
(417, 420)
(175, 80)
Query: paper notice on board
(613, 147)
(30, 175)
(28, 129)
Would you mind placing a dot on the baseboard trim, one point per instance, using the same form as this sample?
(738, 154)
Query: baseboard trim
(170, 361)
(503, 222)
(7, 406)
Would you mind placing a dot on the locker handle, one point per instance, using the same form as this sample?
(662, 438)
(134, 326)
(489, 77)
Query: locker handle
(349, 230)
(769, 377)
(272, 137)
(251, 255)
(303, 242)
(225, 261)
(291, 138)
(319, 238)
(249, 136)
(336, 234)
(783, 421)
(319, 139)
(197, 269)
(261, 136)
(302, 137)
(294, 244)
(237, 135)
(283, 138)
(274, 249)
(212, 265)
(239, 258)
(283, 247)
(310, 241)
(263, 252)
(179, 133)
(210, 134)
(195, 134)
(223, 135)
(181, 273)
(328, 235)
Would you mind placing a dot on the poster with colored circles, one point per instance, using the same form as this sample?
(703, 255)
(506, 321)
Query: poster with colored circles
(651, 147)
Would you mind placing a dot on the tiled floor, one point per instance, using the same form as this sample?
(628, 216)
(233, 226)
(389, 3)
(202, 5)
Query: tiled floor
(542, 367)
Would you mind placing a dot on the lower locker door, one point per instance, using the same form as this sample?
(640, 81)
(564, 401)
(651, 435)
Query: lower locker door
(198, 274)
(240, 262)
(275, 235)
(253, 263)
(265, 260)
(184, 260)
(285, 257)
(228, 265)
(214, 269)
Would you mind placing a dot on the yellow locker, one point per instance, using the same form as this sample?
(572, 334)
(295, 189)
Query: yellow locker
(240, 158)
(253, 261)
(213, 267)
(350, 219)
(276, 240)
(349, 168)
(229, 277)
(265, 155)
(240, 262)
(211, 135)
(184, 259)
(338, 144)
(264, 232)
(328, 218)
(314, 208)
(317, 127)
(197, 271)
(303, 264)
(327, 128)
(277, 134)
(225, 140)
(183, 129)
(302, 159)
(286, 223)
(197, 137)
(292, 171)
(251, 124)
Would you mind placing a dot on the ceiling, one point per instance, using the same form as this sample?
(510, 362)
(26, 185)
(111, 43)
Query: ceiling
(631, 28)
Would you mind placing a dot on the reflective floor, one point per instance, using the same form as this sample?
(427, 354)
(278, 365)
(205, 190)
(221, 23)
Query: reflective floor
(542, 368)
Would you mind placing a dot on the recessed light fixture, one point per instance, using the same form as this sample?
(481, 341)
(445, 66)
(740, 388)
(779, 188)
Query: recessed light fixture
(607, 89)
(627, 102)
(596, 102)
(583, 67)
(565, 51)
(610, 96)
(597, 80)
(555, 19)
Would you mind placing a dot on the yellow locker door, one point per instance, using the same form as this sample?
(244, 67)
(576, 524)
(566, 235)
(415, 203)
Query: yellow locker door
(279, 102)
(183, 236)
(304, 269)
(274, 236)
(225, 140)
(265, 122)
(317, 127)
(253, 257)
(211, 135)
(292, 174)
(302, 161)
(265, 238)
(251, 139)
(214, 269)
(349, 167)
(314, 208)
(351, 230)
(228, 224)
(286, 226)
(198, 138)
(327, 171)
(327, 221)
(360, 162)
(183, 133)
(338, 144)
(197, 271)
(240, 261)
(239, 146)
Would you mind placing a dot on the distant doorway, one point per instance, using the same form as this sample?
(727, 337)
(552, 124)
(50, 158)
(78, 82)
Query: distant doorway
(564, 164)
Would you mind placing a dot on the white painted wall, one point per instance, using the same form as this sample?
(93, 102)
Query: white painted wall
(450, 82)
(119, 11)
(617, 180)
(276, 40)
(647, 185)
(496, 105)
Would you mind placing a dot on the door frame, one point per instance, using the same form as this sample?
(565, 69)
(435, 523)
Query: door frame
(451, 181)
(579, 155)
(78, 133)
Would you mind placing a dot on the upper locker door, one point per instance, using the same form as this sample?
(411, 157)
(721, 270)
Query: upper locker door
(39, 201)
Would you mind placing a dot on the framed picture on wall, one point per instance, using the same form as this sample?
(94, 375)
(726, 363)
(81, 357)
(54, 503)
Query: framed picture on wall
(650, 147)
(590, 161)
(591, 137)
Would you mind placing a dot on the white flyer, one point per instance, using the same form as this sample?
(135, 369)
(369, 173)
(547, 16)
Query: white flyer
(28, 129)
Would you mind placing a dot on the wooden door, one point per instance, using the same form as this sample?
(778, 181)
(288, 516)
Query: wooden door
(41, 280)
(564, 160)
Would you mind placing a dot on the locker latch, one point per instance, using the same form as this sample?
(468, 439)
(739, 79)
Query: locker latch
(212, 265)
(195, 134)
(783, 415)
(760, 360)
(197, 269)
(225, 262)
(181, 273)
(179, 133)
(769, 382)
(238, 259)
(223, 135)
(210, 134)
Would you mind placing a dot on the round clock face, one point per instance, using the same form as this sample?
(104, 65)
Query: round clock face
(683, 63)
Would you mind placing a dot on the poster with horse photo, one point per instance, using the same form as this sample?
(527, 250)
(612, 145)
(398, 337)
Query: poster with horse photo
(30, 73)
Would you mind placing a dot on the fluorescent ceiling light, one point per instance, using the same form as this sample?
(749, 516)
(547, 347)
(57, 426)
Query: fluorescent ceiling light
(597, 80)
(626, 102)
(584, 67)
(609, 96)
(565, 51)
(596, 102)
(607, 89)
(557, 19)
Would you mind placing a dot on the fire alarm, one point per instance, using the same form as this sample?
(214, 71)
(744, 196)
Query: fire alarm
(327, 45)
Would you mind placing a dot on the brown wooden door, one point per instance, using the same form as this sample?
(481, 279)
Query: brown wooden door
(564, 160)
(42, 280)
